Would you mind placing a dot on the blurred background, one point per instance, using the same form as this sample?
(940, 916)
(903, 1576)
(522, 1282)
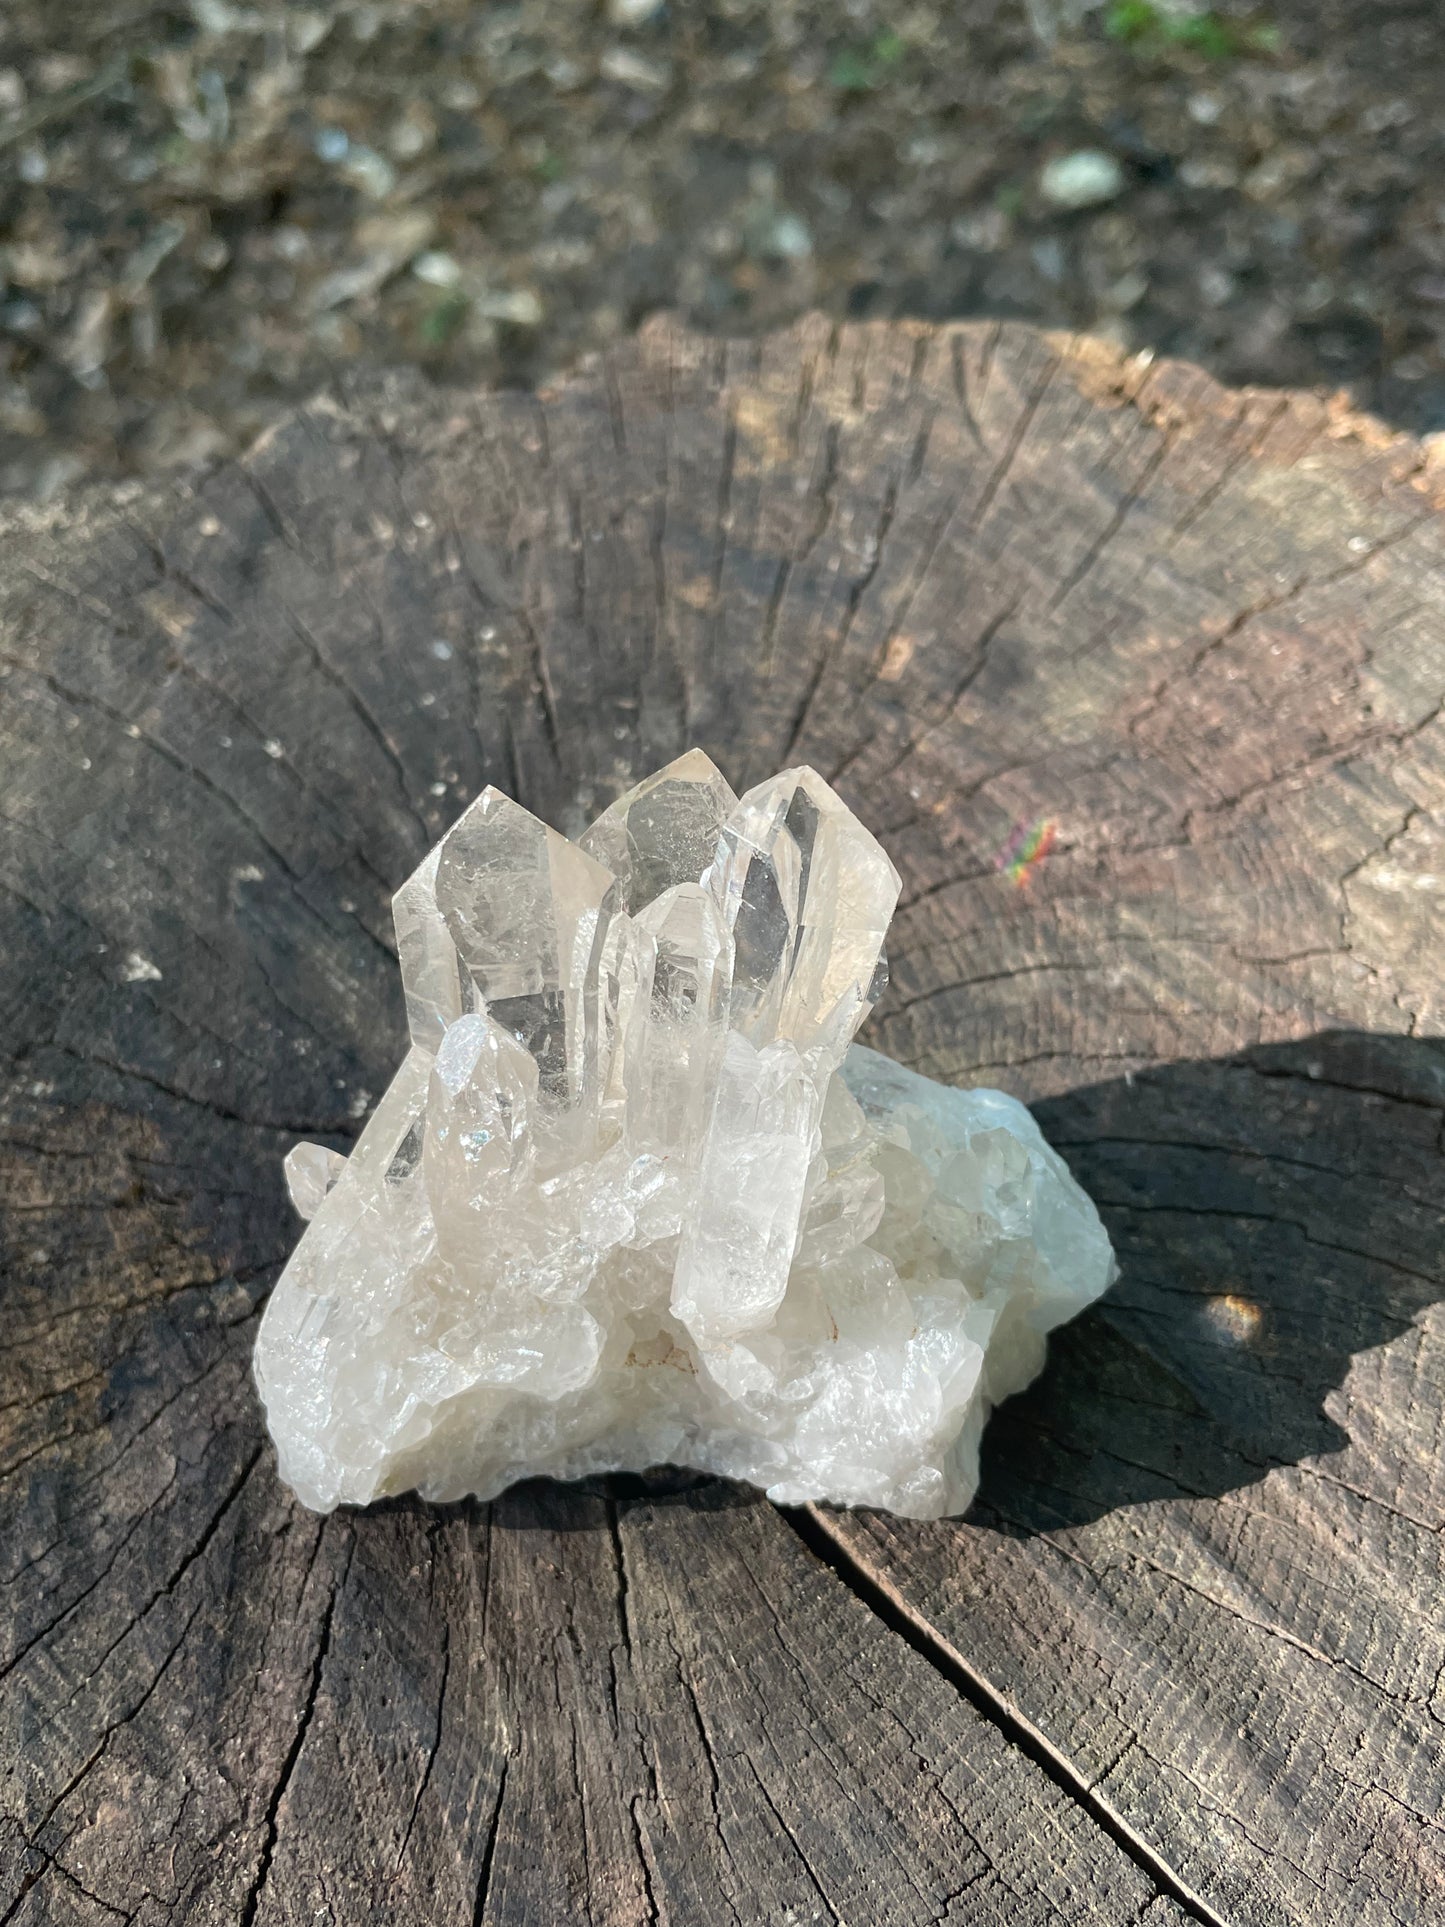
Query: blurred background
(208, 206)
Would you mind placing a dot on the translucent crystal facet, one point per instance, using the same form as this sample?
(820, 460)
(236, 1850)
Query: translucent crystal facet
(808, 894)
(663, 832)
(635, 1195)
(677, 1022)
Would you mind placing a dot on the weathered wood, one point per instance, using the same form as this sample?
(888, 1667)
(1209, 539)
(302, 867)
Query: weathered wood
(1184, 1659)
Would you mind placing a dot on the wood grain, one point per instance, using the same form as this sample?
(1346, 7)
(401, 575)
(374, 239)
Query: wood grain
(1184, 1659)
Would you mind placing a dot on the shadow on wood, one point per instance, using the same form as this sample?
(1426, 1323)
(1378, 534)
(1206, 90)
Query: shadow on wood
(1276, 1217)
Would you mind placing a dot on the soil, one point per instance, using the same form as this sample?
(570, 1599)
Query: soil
(206, 210)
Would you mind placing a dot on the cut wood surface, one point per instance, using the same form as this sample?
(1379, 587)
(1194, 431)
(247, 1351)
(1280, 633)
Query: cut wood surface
(1185, 1659)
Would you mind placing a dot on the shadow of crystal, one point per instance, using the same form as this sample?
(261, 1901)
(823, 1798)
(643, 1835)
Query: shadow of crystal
(1276, 1216)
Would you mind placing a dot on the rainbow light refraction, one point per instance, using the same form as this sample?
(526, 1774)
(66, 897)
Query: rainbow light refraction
(1027, 845)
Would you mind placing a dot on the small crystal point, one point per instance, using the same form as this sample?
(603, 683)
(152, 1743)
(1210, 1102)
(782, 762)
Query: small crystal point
(677, 1022)
(438, 990)
(631, 1197)
(480, 1121)
(808, 895)
(527, 913)
(664, 831)
(737, 1247)
(311, 1170)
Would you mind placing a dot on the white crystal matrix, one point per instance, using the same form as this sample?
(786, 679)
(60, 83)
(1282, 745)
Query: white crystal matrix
(635, 1197)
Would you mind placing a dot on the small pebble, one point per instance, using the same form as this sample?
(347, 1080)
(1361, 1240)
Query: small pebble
(1049, 258)
(1085, 179)
(790, 238)
(631, 70)
(1216, 284)
(1126, 293)
(438, 270)
(372, 172)
(306, 28)
(518, 307)
(408, 138)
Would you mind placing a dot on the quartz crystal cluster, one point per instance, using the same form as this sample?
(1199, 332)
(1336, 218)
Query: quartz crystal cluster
(634, 1196)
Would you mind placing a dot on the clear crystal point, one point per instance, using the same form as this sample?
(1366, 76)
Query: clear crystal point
(664, 831)
(808, 895)
(479, 1140)
(737, 1247)
(311, 1170)
(631, 1196)
(438, 989)
(527, 911)
(677, 1023)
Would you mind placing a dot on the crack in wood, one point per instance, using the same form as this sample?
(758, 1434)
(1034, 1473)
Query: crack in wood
(888, 1605)
(489, 1849)
(271, 1825)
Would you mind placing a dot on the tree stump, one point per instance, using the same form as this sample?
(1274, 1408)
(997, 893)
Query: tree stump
(1143, 685)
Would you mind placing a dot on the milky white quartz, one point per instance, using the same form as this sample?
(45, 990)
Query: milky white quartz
(634, 1196)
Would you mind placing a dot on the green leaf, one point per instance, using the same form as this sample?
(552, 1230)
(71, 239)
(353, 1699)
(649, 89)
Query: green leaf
(851, 72)
(443, 318)
(1207, 34)
(1131, 19)
(1144, 23)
